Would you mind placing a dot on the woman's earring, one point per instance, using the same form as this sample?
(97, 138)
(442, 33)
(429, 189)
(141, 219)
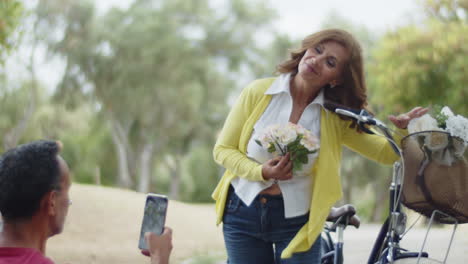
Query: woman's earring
(332, 84)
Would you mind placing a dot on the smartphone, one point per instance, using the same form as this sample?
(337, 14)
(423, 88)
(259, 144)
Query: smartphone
(154, 217)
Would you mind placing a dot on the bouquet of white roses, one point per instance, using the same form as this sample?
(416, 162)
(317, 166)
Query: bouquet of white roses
(445, 136)
(292, 138)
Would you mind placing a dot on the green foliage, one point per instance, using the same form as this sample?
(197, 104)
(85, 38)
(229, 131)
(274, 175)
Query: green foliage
(263, 63)
(202, 175)
(446, 10)
(86, 140)
(423, 65)
(439, 116)
(366, 38)
(11, 12)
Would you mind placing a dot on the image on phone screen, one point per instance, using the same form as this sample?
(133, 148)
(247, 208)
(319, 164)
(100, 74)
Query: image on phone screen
(154, 217)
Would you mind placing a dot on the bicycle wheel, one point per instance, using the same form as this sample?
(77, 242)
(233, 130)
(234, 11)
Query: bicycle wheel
(415, 260)
(327, 249)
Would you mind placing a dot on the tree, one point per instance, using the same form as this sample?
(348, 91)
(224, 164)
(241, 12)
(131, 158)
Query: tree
(11, 12)
(155, 75)
(446, 10)
(17, 105)
(21, 109)
(431, 66)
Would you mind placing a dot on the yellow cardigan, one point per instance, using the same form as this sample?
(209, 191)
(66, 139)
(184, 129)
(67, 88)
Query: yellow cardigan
(231, 147)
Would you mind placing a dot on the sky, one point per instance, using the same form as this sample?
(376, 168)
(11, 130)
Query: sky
(299, 18)
(303, 17)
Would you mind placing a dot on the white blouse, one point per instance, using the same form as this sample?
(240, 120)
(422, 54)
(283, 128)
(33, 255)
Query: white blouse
(296, 191)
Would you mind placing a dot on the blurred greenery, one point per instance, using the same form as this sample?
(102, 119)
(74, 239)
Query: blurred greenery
(11, 12)
(144, 90)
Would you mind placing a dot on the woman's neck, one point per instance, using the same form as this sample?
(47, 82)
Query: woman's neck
(302, 92)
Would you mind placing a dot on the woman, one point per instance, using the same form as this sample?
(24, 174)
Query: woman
(269, 214)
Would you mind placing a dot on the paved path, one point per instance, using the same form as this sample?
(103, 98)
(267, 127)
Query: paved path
(358, 243)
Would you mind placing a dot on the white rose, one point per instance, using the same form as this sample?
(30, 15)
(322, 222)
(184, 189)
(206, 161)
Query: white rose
(423, 123)
(458, 126)
(309, 145)
(446, 111)
(287, 136)
(265, 140)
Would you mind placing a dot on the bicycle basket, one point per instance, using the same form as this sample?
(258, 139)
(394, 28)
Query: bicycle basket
(436, 175)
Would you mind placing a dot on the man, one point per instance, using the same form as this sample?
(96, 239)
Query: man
(34, 200)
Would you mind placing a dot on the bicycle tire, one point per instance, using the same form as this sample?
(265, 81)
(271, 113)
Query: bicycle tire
(328, 249)
(379, 244)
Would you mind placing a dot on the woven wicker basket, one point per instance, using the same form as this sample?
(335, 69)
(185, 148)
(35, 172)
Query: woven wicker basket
(436, 175)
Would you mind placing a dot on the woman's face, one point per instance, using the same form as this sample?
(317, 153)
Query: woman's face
(323, 64)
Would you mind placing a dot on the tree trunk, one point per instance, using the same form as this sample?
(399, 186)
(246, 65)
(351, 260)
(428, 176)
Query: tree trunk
(11, 138)
(124, 179)
(175, 178)
(97, 175)
(145, 161)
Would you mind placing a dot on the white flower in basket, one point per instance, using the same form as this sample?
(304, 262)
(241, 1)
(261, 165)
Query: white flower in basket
(445, 138)
(292, 138)
(423, 123)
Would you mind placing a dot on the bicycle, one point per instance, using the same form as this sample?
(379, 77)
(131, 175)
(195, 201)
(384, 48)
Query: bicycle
(411, 187)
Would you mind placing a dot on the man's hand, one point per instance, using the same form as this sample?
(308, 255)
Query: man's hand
(160, 247)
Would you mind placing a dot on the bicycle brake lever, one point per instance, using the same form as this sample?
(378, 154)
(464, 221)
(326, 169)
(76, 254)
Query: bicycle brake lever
(363, 118)
(365, 129)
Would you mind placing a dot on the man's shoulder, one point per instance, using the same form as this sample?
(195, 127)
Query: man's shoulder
(12, 255)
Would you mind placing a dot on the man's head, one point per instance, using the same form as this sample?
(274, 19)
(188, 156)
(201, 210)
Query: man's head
(34, 181)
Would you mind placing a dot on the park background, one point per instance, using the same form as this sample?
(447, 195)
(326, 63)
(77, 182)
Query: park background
(138, 90)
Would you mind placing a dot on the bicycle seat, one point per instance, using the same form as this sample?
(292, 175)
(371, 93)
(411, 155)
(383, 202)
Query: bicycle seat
(348, 211)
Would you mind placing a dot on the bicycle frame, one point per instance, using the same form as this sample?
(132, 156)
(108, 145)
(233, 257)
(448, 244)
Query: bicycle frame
(335, 250)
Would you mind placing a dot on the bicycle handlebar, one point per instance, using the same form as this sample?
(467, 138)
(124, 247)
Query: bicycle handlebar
(361, 116)
(364, 118)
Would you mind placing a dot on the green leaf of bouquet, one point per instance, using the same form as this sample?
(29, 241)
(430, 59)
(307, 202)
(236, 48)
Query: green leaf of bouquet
(297, 165)
(292, 148)
(293, 145)
(439, 116)
(303, 158)
(302, 151)
(271, 148)
(258, 142)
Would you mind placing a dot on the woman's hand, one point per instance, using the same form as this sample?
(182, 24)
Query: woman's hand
(402, 121)
(279, 168)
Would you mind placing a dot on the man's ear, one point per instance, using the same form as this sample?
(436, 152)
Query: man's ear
(49, 202)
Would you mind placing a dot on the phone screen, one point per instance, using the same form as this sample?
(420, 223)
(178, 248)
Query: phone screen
(154, 217)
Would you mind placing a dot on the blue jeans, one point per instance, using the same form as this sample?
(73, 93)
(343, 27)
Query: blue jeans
(257, 234)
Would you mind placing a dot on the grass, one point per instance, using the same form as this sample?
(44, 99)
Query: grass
(103, 226)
